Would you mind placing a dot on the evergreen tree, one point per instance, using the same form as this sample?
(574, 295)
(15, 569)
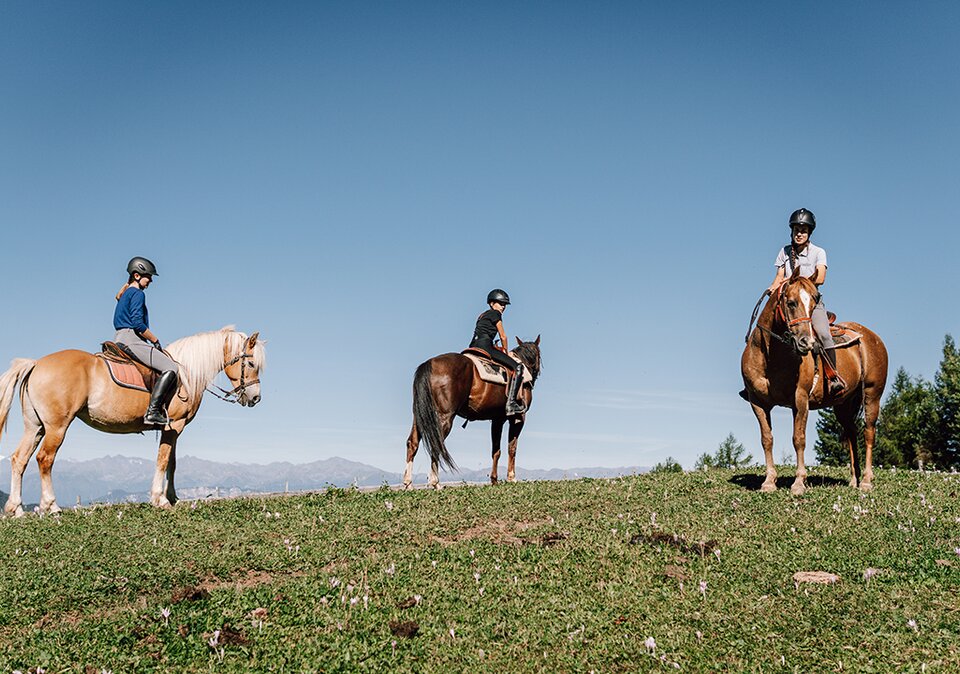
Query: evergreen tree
(730, 454)
(668, 465)
(907, 430)
(946, 451)
(828, 448)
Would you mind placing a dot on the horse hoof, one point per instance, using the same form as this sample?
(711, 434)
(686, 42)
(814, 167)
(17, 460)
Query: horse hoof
(852, 482)
(798, 489)
(768, 487)
(494, 480)
(866, 486)
(52, 509)
(407, 486)
(436, 486)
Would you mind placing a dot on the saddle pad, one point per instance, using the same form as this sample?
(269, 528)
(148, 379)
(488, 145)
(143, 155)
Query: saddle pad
(126, 375)
(493, 372)
(844, 336)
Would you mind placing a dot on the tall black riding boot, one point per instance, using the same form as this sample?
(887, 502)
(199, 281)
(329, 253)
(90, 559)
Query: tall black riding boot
(836, 385)
(514, 404)
(160, 397)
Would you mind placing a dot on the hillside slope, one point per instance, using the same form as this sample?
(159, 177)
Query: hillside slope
(690, 572)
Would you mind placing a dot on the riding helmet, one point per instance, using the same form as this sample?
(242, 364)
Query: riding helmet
(143, 266)
(497, 295)
(802, 216)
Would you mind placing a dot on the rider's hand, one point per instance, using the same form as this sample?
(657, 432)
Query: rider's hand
(157, 345)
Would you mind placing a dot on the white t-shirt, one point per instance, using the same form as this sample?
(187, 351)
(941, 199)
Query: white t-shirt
(808, 261)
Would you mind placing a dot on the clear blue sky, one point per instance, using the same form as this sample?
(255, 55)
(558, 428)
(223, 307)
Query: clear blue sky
(350, 179)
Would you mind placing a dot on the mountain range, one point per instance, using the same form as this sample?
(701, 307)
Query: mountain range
(118, 479)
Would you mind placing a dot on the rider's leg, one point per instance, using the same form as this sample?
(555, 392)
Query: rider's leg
(821, 326)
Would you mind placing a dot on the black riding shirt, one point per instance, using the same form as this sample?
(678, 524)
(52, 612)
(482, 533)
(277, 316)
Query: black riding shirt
(486, 329)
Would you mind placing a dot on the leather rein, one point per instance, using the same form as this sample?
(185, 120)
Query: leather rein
(787, 337)
(234, 394)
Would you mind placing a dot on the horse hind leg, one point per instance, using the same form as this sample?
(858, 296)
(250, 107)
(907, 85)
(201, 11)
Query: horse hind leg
(413, 442)
(32, 435)
(871, 411)
(446, 424)
(52, 440)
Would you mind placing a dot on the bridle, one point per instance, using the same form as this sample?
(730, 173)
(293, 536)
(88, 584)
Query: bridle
(234, 394)
(787, 338)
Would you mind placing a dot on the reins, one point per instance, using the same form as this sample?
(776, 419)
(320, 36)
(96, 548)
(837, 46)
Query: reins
(786, 338)
(237, 391)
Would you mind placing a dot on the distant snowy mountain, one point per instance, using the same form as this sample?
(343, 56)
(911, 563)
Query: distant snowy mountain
(119, 479)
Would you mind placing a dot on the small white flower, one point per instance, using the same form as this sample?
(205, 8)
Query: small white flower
(716, 551)
(215, 639)
(912, 624)
(472, 553)
(452, 633)
(391, 569)
(481, 591)
(651, 644)
(476, 577)
(389, 505)
(870, 573)
(703, 588)
(653, 520)
(334, 581)
(354, 600)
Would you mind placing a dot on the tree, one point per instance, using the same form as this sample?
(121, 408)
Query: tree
(906, 433)
(730, 454)
(828, 448)
(946, 393)
(668, 465)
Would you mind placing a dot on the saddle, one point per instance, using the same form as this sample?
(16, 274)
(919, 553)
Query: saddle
(124, 370)
(842, 336)
(490, 370)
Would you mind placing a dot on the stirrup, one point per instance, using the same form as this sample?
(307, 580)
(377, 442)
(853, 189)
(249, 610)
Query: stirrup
(836, 385)
(156, 418)
(516, 408)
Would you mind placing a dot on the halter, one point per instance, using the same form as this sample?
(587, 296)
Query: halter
(237, 391)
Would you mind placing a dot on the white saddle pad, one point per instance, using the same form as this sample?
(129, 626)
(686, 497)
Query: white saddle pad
(495, 373)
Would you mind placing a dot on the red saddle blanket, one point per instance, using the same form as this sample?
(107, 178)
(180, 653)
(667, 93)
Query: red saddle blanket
(125, 371)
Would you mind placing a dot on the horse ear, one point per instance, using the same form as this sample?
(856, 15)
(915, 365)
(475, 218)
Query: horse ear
(519, 341)
(253, 339)
(537, 340)
(796, 273)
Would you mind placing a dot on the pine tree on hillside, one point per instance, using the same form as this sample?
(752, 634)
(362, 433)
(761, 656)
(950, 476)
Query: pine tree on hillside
(829, 450)
(730, 454)
(668, 465)
(947, 400)
(908, 424)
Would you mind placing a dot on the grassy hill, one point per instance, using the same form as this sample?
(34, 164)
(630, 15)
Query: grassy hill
(669, 572)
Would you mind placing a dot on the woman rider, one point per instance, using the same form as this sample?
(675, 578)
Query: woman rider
(489, 326)
(132, 323)
(812, 261)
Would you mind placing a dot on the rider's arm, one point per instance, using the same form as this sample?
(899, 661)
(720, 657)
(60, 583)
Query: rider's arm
(821, 275)
(777, 280)
(503, 336)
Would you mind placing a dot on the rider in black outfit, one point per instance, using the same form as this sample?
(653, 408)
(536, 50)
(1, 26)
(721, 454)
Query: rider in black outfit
(489, 326)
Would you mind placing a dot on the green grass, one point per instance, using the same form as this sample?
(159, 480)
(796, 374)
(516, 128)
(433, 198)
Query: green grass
(540, 576)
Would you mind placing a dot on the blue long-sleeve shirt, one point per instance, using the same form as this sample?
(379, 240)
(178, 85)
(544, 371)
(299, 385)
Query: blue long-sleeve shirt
(131, 311)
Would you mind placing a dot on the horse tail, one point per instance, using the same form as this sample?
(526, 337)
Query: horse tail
(19, 369)
(425, 416)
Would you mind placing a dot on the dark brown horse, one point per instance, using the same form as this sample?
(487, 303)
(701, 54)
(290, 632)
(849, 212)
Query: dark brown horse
(448, 386)
(779, 369)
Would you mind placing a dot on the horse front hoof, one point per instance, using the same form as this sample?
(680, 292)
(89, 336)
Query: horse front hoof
(494, 479)
(407, 486)
(52, 509)
(798, 489)
(866, 486)
(768, 486)
(436, 486)
(852, 483)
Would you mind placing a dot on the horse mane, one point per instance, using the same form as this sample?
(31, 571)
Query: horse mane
(201, 356)
(529, 353)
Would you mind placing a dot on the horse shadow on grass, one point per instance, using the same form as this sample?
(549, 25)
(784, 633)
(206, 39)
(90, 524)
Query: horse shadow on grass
(752, 481)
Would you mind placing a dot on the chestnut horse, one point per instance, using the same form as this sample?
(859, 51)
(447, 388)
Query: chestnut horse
(448, 386)
(778, 369)
(75, 384)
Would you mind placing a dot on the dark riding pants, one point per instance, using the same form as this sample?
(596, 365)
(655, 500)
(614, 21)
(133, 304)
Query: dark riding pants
(495, 353)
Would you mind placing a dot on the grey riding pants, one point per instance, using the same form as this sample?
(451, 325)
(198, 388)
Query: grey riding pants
(145, 352)
(821, 325)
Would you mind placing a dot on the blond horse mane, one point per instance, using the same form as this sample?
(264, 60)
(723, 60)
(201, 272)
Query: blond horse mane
(201, 357)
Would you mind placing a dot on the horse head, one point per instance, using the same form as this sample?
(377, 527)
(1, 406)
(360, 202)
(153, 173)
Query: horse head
(796, 300)
(529, 353)
(243, 358)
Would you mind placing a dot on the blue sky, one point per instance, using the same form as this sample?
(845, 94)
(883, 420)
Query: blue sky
(350, 179)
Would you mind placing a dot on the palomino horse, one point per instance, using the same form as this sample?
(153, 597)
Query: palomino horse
(68, 384)
(779, 370)
(448, 386)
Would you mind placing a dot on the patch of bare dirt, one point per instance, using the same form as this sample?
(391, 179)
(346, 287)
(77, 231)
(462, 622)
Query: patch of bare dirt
(675, 541)
(406, 629)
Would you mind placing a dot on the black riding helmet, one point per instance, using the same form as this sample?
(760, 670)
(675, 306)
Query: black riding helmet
(802, 216)
(497, 295)
(142, 266)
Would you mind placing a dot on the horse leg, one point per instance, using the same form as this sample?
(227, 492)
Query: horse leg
(766, 439)
(446, 423)
(847, 418)
(513, 434)
(871, 410)
(496, 434)
(52, 439)
(413, 442)
(168, 440)
(171, 469)
(32, 435)
(800, 413)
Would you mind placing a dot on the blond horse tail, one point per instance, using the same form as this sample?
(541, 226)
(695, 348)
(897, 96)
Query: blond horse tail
(19, 369)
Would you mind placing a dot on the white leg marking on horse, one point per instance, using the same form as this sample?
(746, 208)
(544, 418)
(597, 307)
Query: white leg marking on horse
(408, 475)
